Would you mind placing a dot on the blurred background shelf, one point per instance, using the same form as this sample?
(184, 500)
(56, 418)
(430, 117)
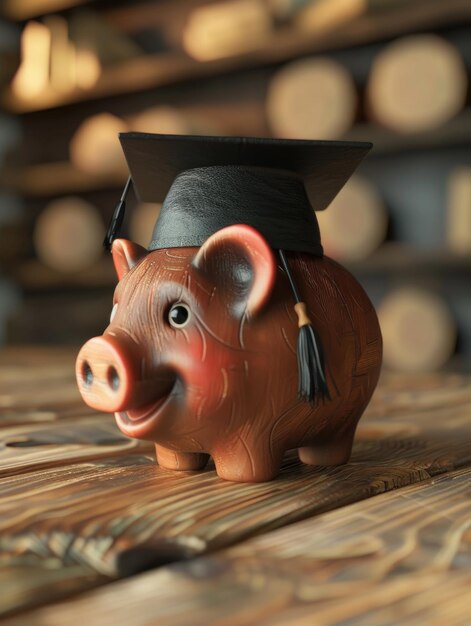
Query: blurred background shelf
(51, 179)
(393, 72)
(405, 261)
(151, 71)
(33, 276)
(28, 9)
(456, 132)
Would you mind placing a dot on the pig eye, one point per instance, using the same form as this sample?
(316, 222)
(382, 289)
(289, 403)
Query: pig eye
(179, 315)
(113, 312)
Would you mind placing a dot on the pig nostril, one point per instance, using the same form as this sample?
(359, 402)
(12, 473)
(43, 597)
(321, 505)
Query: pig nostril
(87, 374)
(113, 379)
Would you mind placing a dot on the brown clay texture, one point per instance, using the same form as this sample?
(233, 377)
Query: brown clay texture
(225, 384)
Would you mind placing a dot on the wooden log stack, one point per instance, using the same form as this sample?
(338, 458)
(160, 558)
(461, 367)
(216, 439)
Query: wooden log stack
(142, 222)
(458, 211)
(311, 99)
(68, 235)
(356, 222)
(95, 148)
(319, 16)
(419, 332)
(417, 83)
(226, 28)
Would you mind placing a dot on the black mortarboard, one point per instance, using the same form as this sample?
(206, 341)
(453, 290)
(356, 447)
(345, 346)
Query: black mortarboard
(207, 183)
(273, 185)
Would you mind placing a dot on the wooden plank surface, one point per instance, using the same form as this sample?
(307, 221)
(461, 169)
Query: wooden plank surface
(400, 558)
(27, 582)
(35, 357)
(39, 564)
(123, 515)
(37, 385)
(27, 448)
(80, 504)
(408, 394)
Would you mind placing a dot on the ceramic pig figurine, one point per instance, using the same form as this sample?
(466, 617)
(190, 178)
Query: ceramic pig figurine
(201, 356)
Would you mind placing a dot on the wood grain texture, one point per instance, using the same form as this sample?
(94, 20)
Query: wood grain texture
(48, 401)
(35, 447)
(402, 557)
(123, 515)
(80, 507)
(226, 383)
(37, 385)
(399, 394)
(37, 566)
(28, 581)
(43, 411)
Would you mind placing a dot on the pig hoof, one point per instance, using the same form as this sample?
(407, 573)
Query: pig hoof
(336, 453)
(237, 476)
(184, 461)
(235, 470)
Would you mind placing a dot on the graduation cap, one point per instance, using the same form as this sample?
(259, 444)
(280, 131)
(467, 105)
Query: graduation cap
(273, 185)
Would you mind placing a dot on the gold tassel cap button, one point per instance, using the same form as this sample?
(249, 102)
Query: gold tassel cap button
(303, 317)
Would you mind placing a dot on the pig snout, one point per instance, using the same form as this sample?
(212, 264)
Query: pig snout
(110, 377)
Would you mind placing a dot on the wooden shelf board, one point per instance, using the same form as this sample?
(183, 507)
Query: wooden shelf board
(456, 132)
(398, 258)
(153, 71)
(53, 179)
(33, 276)
(20, 10)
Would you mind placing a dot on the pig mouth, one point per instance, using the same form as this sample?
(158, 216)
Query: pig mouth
(147, 412)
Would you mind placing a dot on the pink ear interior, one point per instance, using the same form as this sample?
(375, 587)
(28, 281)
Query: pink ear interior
(126, 255)
(238, 260)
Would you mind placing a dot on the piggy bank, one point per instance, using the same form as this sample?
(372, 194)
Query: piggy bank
(201, 353)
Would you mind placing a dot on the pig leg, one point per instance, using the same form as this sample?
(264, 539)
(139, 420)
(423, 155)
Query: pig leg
(335, 451)
(171, 459)
(242, 462)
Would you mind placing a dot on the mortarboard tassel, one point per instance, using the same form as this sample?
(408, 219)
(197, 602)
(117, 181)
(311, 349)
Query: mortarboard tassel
(117, 219)
(311, 367)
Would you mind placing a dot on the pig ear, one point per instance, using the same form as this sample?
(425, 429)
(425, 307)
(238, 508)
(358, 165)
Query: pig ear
(241, 264)
(126, 255)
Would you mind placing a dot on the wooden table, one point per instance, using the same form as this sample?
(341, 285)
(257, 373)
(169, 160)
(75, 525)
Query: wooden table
(93, 532)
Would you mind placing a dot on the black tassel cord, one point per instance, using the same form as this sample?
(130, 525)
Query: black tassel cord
(311, 366)
(117, 219)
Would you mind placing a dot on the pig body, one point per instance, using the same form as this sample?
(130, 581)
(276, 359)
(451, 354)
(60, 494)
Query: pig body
(200, 355)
